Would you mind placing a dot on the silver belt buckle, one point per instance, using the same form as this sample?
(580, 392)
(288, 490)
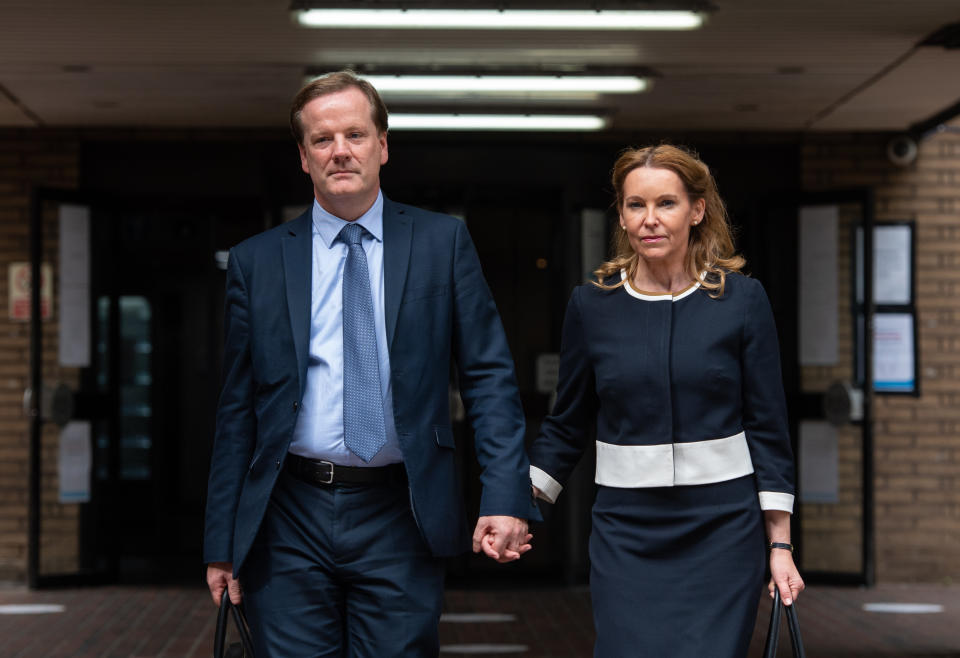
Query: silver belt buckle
(330, 479)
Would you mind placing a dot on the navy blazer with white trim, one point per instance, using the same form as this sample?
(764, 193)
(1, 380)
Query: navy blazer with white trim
(661, 370)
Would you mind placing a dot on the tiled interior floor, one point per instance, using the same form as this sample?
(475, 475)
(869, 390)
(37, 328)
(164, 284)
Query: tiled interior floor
(147, 622)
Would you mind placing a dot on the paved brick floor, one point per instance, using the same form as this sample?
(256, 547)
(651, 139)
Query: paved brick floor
(153, 622)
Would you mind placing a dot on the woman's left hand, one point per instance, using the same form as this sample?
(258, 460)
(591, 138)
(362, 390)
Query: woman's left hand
(784, 576)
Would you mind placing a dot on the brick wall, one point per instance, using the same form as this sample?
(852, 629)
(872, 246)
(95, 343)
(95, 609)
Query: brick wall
(917, 439)
(27, 160)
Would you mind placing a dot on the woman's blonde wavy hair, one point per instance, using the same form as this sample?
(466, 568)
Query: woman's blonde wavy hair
(710, 251)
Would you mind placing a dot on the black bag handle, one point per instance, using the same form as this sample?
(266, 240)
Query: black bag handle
(773, 632)
(239, 620)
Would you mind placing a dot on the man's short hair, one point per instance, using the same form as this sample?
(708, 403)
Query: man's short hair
(331, 83)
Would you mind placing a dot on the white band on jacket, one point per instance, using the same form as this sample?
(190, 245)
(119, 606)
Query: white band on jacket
(774, 500)
(672, 464)
(549, 488)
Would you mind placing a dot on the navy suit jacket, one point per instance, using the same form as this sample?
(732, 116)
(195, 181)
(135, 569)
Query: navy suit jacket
(438, 308)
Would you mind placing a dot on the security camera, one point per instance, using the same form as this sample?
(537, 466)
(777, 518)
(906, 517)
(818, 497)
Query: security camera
(902, 150)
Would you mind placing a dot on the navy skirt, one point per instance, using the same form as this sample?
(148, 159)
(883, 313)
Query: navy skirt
(676, 571)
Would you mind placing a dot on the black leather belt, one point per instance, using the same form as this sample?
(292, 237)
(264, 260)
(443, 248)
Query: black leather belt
(324, 473)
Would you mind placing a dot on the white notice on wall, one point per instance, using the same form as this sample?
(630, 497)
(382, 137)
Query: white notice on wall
(818, 285)
(891, 264)
(74, 461)
(818, 462)
(74, 289)
(893, 366)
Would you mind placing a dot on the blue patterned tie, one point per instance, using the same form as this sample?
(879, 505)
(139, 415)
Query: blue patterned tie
(363, 431)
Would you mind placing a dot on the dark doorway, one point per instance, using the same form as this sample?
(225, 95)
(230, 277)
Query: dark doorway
(158, 296)
(516, 233)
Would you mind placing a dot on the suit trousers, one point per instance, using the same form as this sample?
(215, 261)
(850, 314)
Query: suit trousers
(342, 571)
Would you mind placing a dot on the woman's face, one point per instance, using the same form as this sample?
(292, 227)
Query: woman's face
(657, 215)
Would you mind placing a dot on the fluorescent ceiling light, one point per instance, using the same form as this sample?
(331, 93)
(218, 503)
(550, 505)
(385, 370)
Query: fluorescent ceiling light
(543, 122)
(492, 19)
(492, 84)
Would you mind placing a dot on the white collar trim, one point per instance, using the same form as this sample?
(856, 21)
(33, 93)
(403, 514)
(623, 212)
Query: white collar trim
(665, 297)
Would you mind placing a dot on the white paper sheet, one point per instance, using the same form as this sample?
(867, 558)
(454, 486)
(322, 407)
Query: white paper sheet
(593, 241)
(893, 352)
(74, 289)
(818, 462)
(75, 457)
(891, 264)
(818, 285)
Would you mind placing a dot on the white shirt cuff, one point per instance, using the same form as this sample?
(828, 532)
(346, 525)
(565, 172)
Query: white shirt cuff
(773, 500)
(549, 488)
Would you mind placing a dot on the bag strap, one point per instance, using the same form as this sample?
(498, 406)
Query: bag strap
(793, 623)
(773, 631)
(239, 620)
(221, 633)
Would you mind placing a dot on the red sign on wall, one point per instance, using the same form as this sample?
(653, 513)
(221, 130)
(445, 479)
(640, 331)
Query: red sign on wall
(19, 287)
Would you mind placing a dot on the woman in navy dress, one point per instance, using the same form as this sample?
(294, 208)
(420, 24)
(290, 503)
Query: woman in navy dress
(672, 355)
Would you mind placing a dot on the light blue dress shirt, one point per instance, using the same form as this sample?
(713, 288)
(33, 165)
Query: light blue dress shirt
(319, 430)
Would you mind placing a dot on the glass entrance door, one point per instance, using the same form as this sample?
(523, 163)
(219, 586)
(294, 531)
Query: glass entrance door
(62, 400)
(835, 423)
(130, 356)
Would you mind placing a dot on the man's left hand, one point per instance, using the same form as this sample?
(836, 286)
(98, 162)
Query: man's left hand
(502, 538)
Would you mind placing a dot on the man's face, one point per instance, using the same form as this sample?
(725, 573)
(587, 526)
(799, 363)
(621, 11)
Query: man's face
(342, 151)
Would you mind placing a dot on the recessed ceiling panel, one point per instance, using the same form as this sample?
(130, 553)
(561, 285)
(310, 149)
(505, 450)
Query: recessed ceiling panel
(926, 83)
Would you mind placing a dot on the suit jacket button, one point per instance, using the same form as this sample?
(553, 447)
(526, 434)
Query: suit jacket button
(278, 464)
(296, 405)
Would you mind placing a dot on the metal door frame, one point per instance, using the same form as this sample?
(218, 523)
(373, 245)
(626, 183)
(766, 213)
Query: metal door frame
(39, 197)
(863, 376)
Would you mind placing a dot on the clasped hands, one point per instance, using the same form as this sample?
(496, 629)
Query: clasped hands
(502, 538)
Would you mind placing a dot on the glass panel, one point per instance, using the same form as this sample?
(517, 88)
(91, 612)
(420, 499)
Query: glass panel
(832, 516)
(136, 407)
(59, 530)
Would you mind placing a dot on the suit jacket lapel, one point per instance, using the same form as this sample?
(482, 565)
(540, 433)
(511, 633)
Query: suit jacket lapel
(397, 238)
(297, 272)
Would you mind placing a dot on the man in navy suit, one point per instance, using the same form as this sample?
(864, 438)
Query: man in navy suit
(333, 492)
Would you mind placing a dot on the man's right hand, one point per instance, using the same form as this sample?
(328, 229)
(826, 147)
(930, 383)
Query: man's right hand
(220, 576)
